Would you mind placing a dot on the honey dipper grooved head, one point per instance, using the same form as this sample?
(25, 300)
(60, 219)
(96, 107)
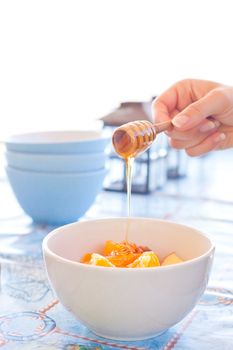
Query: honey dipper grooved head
(133, 138)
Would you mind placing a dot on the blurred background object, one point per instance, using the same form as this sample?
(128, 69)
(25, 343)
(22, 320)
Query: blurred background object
(56, 176)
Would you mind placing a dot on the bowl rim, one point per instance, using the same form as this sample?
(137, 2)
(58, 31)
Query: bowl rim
(21, 139)
(58, 173)
(57, 230)
(55, 155)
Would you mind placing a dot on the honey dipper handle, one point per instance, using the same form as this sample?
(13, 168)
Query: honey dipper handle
(160, 127)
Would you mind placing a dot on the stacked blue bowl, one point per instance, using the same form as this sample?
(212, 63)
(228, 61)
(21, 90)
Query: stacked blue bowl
(56, 175)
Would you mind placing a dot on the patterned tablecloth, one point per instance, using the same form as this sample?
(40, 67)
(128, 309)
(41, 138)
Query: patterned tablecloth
(32, 318)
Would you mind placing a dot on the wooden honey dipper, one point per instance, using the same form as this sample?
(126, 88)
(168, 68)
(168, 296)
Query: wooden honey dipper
(131, 139)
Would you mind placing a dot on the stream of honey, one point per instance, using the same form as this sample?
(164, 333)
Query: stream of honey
(129, 172)
(129, 141)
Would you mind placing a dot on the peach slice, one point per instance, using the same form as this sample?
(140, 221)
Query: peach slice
(146, 259)
(171, 259)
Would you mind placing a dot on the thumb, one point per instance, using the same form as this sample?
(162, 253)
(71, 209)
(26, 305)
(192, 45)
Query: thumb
(211, 104)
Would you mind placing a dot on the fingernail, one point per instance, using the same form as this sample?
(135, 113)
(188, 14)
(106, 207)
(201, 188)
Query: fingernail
(217, 123)
(219, 138)
(180, 120)
(208, 126)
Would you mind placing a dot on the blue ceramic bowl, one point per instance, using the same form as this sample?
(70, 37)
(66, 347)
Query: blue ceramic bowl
(76, 162)
(59, 142)
(52, 198)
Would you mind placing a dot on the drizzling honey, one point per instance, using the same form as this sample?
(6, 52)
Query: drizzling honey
(129, 172)
(130, 140)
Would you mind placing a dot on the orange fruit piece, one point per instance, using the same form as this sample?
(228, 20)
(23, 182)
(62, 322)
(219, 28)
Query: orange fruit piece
(100, 260)
(123, 260)
(121, 248)
(171, 259)
(86, 258)
(146, 259)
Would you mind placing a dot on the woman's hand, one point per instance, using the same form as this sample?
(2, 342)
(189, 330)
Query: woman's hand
(201, 113)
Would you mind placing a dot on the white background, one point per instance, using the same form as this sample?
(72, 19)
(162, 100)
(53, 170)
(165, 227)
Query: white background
(66, 63)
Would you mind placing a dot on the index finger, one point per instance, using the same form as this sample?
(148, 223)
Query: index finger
(163, 105)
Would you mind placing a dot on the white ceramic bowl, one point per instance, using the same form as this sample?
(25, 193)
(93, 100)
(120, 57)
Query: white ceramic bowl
(76, 162)
(59, 142)
(55, 198)
(121, 303)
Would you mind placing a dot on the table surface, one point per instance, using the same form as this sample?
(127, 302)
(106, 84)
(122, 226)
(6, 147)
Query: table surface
(32, 318)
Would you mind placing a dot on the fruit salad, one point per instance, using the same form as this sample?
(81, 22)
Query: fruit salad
(128, 254)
